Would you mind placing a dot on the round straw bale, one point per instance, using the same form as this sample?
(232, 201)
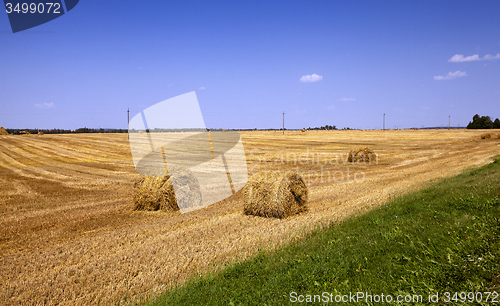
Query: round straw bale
(275, 194)
(3, 131)
(40, 133)
(485, 136)
(363, 154)
(168, 192)
(154, 193)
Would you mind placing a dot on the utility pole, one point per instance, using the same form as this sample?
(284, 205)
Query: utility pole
(283, 123)
(449, 121)
(384, 122)
(128, 123)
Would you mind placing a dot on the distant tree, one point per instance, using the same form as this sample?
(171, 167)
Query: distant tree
(474, 124)
(480, 122)
(329, 127)
(83, 130)
(326, 127)
(487, 122)
(496, 124)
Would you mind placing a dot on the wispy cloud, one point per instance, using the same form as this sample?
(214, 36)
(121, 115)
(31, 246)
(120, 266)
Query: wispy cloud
(45, 105)
(451, 75)
(458, 58)
(311, 78)
(491, 57)
(202, 88)
(346, 99)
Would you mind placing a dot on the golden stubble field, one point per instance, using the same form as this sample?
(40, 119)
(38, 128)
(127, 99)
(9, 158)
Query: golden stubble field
(68, 234)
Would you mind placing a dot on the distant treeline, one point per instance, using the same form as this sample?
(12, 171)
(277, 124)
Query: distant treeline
(326, 127)
(155, 130)
(478, 122)
(62, 131)
(483, 122)
(101, 130)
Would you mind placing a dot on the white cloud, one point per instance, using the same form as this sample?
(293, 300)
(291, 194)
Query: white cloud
(491, 57)
(311, 78)
(458, 58)
(45, 105)
(346, 99)
(451, 75)
(201, 88)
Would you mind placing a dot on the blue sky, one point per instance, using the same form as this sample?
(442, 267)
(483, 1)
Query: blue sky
(246, 59)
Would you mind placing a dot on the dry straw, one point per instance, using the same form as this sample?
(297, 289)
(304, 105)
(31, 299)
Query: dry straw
(485, 136)
(157, 192)
(40, 133)
(3, 131)
(275, 194)
(364, 155)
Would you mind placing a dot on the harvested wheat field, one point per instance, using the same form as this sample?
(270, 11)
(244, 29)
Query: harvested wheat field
(69, 233)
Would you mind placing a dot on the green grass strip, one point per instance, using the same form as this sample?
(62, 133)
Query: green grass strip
(444, 238)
